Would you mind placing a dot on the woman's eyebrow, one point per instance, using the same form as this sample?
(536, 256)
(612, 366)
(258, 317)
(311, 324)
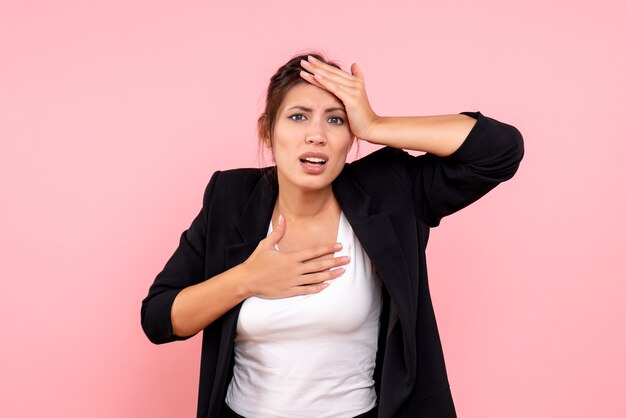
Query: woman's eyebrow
(308, 109)
(335, 109)
(303, 108)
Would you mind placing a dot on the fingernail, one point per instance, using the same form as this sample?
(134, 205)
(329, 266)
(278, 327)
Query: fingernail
(280, 220)
(305, 74)
(340, 271)
(312, 58)
(305, 63)
(337, 246)
(345, 258)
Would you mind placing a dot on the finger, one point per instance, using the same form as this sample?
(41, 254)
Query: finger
(327, 84)
(319, 265)
(356, 71)
(331, 69)
(317, 82)
(311, 253)
(278, 232)
(324, 77)
(311, 79)
(328, 72)
(343, 91)
(308, 289)
(322, 276)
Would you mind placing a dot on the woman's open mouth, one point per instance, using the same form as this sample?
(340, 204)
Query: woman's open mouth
(313, 162)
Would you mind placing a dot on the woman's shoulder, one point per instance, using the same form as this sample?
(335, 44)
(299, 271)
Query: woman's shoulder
(381, 154)
(240, 177)
(382, 163)
(238, 183)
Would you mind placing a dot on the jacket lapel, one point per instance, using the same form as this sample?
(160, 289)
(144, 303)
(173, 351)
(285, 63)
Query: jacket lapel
(254, 220)
(376, 233)
(252, 228)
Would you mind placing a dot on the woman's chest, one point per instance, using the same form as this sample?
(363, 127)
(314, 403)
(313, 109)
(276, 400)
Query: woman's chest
(350, 301)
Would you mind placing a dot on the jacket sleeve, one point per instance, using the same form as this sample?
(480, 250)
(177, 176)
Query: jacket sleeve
(183, 269)
(490, 154)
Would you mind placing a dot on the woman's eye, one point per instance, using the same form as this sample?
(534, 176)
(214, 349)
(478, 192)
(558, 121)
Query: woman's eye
(335, 120)
(297, 116)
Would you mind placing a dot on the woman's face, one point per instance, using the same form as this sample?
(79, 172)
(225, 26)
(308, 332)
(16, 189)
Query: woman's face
(311, 138)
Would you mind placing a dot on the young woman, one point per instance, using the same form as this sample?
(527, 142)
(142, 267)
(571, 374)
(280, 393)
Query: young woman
(308, 278)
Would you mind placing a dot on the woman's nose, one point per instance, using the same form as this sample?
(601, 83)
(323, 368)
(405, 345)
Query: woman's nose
(315, 135)
(315, 139)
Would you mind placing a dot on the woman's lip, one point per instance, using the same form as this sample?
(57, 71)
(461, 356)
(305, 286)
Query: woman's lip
(313, 168)
(312, 154)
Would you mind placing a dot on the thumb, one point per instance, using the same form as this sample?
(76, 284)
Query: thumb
(278, 232)
(356, 71)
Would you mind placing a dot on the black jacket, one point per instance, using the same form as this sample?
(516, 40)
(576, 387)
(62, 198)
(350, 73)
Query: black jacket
(391, 200)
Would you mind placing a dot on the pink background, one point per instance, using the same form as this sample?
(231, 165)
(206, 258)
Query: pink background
(114, 114)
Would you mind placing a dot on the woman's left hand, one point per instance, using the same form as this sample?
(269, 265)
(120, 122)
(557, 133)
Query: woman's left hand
(349, 88)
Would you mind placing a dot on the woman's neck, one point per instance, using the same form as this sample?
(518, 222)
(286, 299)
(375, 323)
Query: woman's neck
(305, 205)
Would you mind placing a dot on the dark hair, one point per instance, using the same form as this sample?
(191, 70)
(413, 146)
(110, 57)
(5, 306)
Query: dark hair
(281, 82)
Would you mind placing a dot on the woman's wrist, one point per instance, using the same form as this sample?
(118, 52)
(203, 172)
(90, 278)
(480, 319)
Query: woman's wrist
(240, 282)
(377, 131)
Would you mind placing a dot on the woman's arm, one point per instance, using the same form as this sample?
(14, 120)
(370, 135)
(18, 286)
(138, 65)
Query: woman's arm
(197, 306)
(267, 273)
(438, 135)
(467, 155)
(180, 303)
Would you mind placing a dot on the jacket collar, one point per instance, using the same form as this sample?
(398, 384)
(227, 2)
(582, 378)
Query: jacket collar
(354, 202)
(254, 220)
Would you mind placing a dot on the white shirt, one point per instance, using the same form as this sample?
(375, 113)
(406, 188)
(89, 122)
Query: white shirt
(311, 355)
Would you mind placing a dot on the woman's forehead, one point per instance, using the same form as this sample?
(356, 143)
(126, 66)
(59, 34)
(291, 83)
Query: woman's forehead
(310, 96)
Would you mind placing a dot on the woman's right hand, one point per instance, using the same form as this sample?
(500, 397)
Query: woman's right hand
(271, 274)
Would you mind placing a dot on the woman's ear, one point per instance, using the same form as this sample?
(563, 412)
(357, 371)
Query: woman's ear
(263, 131)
